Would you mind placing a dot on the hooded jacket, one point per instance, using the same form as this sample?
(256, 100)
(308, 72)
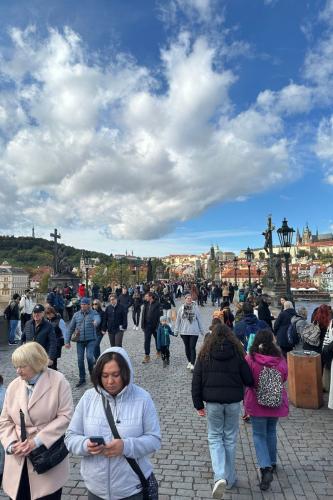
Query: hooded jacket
(281, 326)
(112, 478)
(256, 363)
(221, 378)
(249, 324)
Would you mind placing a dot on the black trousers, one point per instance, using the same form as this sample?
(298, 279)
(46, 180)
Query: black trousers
(190, 342)
(148, 333)
(116, 339)
(24, 488)
(136, 316)
(165, 353)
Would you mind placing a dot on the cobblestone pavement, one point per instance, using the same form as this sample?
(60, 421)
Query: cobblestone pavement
(182, 466)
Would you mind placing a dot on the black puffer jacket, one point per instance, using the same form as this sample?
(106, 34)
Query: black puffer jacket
(281, 328)
(221, 378)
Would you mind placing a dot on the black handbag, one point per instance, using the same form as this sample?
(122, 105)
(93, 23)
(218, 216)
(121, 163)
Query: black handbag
(150, 485)
(44, 459)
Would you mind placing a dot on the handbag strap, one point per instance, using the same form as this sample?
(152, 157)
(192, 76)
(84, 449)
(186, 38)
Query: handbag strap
(131, 461)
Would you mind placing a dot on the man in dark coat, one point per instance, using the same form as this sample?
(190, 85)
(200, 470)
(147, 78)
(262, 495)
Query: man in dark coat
(115, 321)
(42, 331)
(149, 322)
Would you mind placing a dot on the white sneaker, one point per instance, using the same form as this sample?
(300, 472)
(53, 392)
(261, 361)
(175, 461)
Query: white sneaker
(189, 366)
(219, 488)
(192, 368)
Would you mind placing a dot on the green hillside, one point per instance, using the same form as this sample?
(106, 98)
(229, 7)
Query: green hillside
(28, 252)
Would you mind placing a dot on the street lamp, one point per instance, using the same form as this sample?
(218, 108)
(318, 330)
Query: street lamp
(249, 256)
(285, 234)
(235, 261)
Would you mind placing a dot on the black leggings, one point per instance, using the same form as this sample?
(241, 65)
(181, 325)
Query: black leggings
(190, 341)
(136, 316)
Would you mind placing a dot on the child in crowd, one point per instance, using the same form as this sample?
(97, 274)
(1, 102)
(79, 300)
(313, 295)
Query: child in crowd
(2, 451)
(163, 340)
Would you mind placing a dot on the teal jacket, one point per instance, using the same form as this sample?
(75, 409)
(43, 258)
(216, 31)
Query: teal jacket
(163, 336)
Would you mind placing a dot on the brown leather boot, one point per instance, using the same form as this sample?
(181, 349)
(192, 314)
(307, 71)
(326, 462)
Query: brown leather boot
(146, 359)
(158, 354)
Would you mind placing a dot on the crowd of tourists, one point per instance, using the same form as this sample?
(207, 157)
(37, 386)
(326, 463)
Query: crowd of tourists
(240, 372)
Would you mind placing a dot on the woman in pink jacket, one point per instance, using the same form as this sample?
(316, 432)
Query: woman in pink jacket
(45, 398)
(266, 401)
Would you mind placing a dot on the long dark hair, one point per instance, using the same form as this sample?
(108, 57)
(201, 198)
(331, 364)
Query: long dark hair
(221, 334)
(264, 344)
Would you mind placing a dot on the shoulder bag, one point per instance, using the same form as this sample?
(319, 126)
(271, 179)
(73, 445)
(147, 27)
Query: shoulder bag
(42, 458)
(149, 486)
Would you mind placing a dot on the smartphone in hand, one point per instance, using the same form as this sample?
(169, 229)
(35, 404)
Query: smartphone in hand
(97, 440)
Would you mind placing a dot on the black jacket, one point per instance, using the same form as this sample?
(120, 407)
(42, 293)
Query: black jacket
(167, 301)
(221, 378)
(137, 302)
(151, 315)
(44, 334)
(12, 311)
(125, 300)
(281, 328)
(264, 313)
(114, 318)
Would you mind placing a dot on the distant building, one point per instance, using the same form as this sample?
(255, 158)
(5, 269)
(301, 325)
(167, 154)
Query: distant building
(12, 280)
(88, 262)
(308, 237)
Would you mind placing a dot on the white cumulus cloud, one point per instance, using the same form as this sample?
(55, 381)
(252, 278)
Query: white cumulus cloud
(102, 146)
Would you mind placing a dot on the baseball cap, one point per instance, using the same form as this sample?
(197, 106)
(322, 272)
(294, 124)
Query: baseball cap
(38, 308)
(85, 300)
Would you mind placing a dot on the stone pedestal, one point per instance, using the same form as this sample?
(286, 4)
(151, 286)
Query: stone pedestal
(275, 292)
(62, 279)
(305, 380)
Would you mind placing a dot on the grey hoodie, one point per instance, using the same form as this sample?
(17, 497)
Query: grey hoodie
(113, 478)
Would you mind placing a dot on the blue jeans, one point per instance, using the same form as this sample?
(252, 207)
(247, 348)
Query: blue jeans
(89, 346)
(264, 438)
(12, 329)
(223, 429)
(97, 348)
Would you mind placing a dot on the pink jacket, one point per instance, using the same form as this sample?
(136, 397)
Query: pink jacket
(48, 413)
(256, 364)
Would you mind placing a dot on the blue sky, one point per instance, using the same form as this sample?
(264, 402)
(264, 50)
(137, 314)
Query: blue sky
(162, 126)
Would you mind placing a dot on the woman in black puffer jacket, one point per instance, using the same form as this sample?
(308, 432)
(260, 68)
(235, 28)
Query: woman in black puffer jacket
(219, 377)
(281, 326)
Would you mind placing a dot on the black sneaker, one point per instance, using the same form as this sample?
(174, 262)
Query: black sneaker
(12, 343)
(273, 468)
(80, 382)
(266, 478)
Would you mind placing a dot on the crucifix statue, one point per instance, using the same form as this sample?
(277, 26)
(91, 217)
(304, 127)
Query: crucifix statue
(56, 237)
(268, 233)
